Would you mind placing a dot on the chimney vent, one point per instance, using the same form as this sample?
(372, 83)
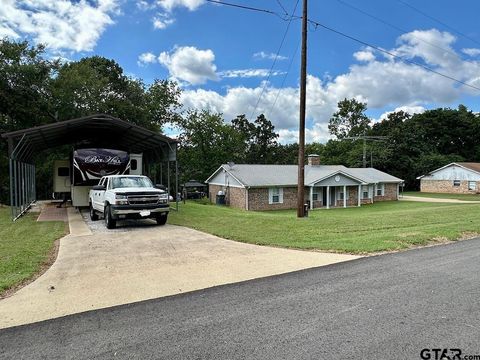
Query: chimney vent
(313, 159)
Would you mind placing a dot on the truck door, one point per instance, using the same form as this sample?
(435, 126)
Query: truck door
(98, 196)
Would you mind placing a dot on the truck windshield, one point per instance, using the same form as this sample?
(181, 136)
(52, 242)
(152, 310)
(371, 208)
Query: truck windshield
(129, 182)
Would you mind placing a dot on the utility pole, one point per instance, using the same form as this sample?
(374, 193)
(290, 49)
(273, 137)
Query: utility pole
(301, 134)
(365, 138)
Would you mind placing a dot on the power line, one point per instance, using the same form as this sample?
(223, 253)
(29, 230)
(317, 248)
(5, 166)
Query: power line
(247, 8)
(398, 28)
(283, 8)
(274, 60)
(317, 24)
(438, 21)
(285, 77)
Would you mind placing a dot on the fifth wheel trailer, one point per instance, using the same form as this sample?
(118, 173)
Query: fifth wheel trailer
(75, 177)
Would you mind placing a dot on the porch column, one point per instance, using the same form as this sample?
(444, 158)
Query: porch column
(359, 196)
(328, 197)
(311, 197)
(344, 196)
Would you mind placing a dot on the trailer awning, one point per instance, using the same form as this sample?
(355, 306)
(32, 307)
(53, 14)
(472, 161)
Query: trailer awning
(102, 131)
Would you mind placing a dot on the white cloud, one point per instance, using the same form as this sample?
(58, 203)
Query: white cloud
(262, 55)
(59, 24)
(146, 58)
(249, 73)
(415, 109)
(364, 55)
(471, 51)
(190, 64)
(169, 5)
(162, 21)
(380, 81)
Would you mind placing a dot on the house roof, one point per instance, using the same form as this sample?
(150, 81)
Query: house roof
(287, 175)
(193, 183)
(473, 166)
(470, 165)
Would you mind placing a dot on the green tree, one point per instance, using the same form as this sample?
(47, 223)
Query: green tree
(349, 120)
(206, 142)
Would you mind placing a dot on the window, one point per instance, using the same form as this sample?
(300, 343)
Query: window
(316, 193)
(133, 164)
(63, 171)
(472, 185)
(275, 196)
(341, 195)
(456, 182)
(131, 182)
(365, 192)
(380, 188)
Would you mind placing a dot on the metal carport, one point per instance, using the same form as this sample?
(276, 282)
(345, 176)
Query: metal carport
(100, 130)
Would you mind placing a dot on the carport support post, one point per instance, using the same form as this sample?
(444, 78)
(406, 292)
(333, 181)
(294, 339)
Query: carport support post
(176, 181)
(359, 196)
(344, 196)
(168, 177)
(10, 166)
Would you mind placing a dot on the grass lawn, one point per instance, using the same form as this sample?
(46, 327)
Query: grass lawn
(24, 246)
(370, 228)
(466, 197)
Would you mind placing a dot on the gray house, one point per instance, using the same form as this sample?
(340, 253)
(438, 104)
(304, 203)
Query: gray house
(455, 178)
(268, 187)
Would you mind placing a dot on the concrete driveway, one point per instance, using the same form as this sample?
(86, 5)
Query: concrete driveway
(98, 269)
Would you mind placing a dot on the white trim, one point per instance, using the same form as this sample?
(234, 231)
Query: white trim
(336, 173)
(271, 195)
(214, 173)
(359, 195)
(229, 173)
(328, 196)
(229, 185)
(444, 167)
(382, 187)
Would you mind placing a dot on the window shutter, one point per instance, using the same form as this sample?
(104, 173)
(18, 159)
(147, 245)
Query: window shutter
(280, 195)
(270, 196)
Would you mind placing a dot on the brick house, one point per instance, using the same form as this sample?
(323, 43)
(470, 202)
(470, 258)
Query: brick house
(270, 187)
(454, 178)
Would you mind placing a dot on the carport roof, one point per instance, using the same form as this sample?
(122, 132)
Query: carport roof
(100, 130)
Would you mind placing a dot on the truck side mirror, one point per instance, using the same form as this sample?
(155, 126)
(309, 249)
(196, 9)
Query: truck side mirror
(160, 186)
(99, 188)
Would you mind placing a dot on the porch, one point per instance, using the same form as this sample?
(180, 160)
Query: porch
(338, 196)
(339, 190)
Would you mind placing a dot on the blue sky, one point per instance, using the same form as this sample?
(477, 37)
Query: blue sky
(222, 56)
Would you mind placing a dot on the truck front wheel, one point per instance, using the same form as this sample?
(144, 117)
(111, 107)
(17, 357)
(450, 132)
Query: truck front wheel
(93, 214)
(109, 222)
(161, 219)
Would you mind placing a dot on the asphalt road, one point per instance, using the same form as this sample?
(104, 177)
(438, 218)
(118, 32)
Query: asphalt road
(383, 307)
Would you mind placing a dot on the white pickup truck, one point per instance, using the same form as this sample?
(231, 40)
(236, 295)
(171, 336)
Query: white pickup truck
(128, 196)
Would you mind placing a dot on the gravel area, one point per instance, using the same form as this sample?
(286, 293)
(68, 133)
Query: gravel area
(122, 225)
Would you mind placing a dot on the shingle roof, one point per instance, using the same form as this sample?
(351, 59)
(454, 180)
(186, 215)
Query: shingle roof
(286, 175)
(372, 175)
(470, 165)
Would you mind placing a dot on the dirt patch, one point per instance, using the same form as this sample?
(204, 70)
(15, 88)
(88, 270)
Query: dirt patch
(467, 235)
